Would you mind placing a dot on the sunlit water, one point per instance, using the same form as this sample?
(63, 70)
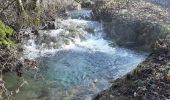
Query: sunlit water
(77, 70)
(163, 3)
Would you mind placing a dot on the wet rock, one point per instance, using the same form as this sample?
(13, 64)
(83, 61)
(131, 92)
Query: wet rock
(95, 81)
(49, 25)
(87, 4)
(135, 94)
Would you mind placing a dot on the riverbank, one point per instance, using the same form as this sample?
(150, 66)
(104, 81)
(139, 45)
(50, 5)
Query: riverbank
(139, 25)
(135, 24)
(16, 26)
(77, 61)
(149, 81)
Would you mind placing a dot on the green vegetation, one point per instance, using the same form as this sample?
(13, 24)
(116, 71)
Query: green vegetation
(5, 33)
(165, 30)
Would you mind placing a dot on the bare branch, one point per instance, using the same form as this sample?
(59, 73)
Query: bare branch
(7, 6)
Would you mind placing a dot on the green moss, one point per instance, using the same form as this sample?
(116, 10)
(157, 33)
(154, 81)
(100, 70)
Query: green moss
(5, 33)
(163, 69)
(141, 66)
(164, 31)
(167, 27)
(135, 71)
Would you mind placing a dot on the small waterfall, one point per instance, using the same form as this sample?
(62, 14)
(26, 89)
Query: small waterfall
(77, 62)
(68, 33)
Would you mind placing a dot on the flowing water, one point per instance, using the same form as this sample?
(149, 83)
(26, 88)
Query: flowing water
(163, 3)
(76, 61)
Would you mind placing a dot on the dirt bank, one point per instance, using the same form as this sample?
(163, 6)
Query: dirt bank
(149, 81)
(133, 23)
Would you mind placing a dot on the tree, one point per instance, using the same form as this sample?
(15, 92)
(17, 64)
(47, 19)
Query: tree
(30, 19)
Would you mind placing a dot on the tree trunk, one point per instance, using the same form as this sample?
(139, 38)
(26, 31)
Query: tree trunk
(20, 4)
(38, 14)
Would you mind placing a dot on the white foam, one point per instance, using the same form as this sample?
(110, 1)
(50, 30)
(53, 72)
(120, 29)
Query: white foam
(55, 33)
(91, 43)
(96, 45)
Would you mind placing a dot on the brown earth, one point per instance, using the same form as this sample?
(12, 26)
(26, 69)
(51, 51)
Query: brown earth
(149, 81)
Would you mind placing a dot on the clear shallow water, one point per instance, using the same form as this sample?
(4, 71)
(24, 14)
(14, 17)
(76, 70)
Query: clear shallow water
(78, 70)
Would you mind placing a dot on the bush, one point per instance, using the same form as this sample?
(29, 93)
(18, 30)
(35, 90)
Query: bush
(5, 34)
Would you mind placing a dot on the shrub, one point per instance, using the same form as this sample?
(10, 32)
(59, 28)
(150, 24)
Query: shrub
(5, 34)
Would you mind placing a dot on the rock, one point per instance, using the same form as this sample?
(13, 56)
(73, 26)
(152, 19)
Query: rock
(87, 4)
(95, 81)
(153, 86)
(135, 94)
(75, 6)
(1, 83)
(146, 71)
(49, 25)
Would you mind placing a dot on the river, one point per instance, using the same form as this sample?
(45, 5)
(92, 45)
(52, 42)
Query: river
(76, 61)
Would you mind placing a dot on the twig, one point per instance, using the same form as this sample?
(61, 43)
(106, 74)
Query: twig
(7, 6)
